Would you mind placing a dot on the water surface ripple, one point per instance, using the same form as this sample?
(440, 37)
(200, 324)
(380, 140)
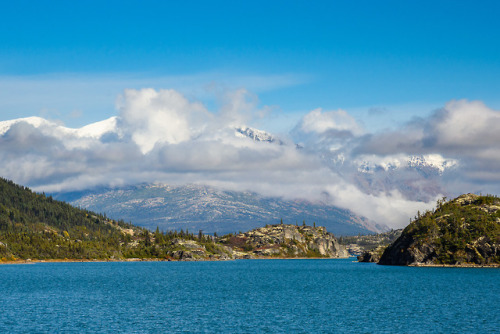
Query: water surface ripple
(247, 296)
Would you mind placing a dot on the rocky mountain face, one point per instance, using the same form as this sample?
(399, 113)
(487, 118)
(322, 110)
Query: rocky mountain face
(195, 207)
(464, 231)
(372, 255)
(359, 244)
(415, 177)
(288, 241)
(182, 249)
(257, 135)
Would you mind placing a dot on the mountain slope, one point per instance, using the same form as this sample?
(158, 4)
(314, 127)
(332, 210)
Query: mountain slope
(197, 207)
(465, 230)
(70, 155)
(34, 226)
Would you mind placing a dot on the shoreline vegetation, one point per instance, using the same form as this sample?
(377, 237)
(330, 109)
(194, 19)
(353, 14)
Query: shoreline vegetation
(270, 242)
(35, 261)
(35, 228)
(422, 265)
(463, 232)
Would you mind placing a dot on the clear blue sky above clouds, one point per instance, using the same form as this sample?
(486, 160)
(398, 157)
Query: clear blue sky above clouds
(383, 63)
(69, 60)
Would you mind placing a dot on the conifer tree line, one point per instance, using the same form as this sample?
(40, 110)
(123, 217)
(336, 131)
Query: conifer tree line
(35, 226)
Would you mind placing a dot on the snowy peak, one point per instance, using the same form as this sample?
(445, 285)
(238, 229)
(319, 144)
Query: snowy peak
(256, 135)
(92, 131)
(431, 162)
(98, 129)
(34, 121)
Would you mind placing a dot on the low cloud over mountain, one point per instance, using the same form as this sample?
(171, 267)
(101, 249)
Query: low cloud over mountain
(162, 136)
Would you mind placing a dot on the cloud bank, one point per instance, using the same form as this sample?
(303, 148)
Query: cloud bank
(162, 136)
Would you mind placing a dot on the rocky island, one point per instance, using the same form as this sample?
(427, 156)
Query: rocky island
(461, 232)
(286, 241)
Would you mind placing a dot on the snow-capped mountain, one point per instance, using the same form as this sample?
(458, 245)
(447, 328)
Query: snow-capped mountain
(98, 129)
(431, 161)
(34, 121)
(108, 126)
(119, 152)
(431, 164)
(196, 207)
(256, 135)
(94, 130)
(415, 177)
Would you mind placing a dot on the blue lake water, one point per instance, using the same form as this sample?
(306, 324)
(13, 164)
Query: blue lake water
(247, 296)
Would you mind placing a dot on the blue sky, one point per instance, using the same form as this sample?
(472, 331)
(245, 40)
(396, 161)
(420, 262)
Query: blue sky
(393, 103)
(382, 61)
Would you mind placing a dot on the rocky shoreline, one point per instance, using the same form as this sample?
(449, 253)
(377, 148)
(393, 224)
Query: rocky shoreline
(271, 242)
(20, 262)
(471, 265)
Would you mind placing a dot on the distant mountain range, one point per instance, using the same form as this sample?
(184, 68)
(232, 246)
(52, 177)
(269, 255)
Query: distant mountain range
(367, 167)
(195, 207)
(416, 178)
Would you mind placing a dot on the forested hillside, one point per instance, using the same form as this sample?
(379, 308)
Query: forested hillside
(36, 226)
(465, 230)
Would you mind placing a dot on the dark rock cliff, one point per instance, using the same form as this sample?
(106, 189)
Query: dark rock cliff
(371, 255)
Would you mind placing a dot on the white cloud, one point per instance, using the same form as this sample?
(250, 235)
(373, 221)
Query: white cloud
(319, 121)
(463, 131)
(164, 116)
(58, 95)
(466, 124)
(389, 208)
(162, 136)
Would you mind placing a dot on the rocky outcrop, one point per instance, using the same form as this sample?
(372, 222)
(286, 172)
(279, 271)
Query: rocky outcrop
(192, 250)
(286, 241)
(464, 231)
(371, 255)
(360, 244)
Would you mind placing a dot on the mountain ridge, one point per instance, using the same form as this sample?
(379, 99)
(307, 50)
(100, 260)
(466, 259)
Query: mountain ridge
(212, 209)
